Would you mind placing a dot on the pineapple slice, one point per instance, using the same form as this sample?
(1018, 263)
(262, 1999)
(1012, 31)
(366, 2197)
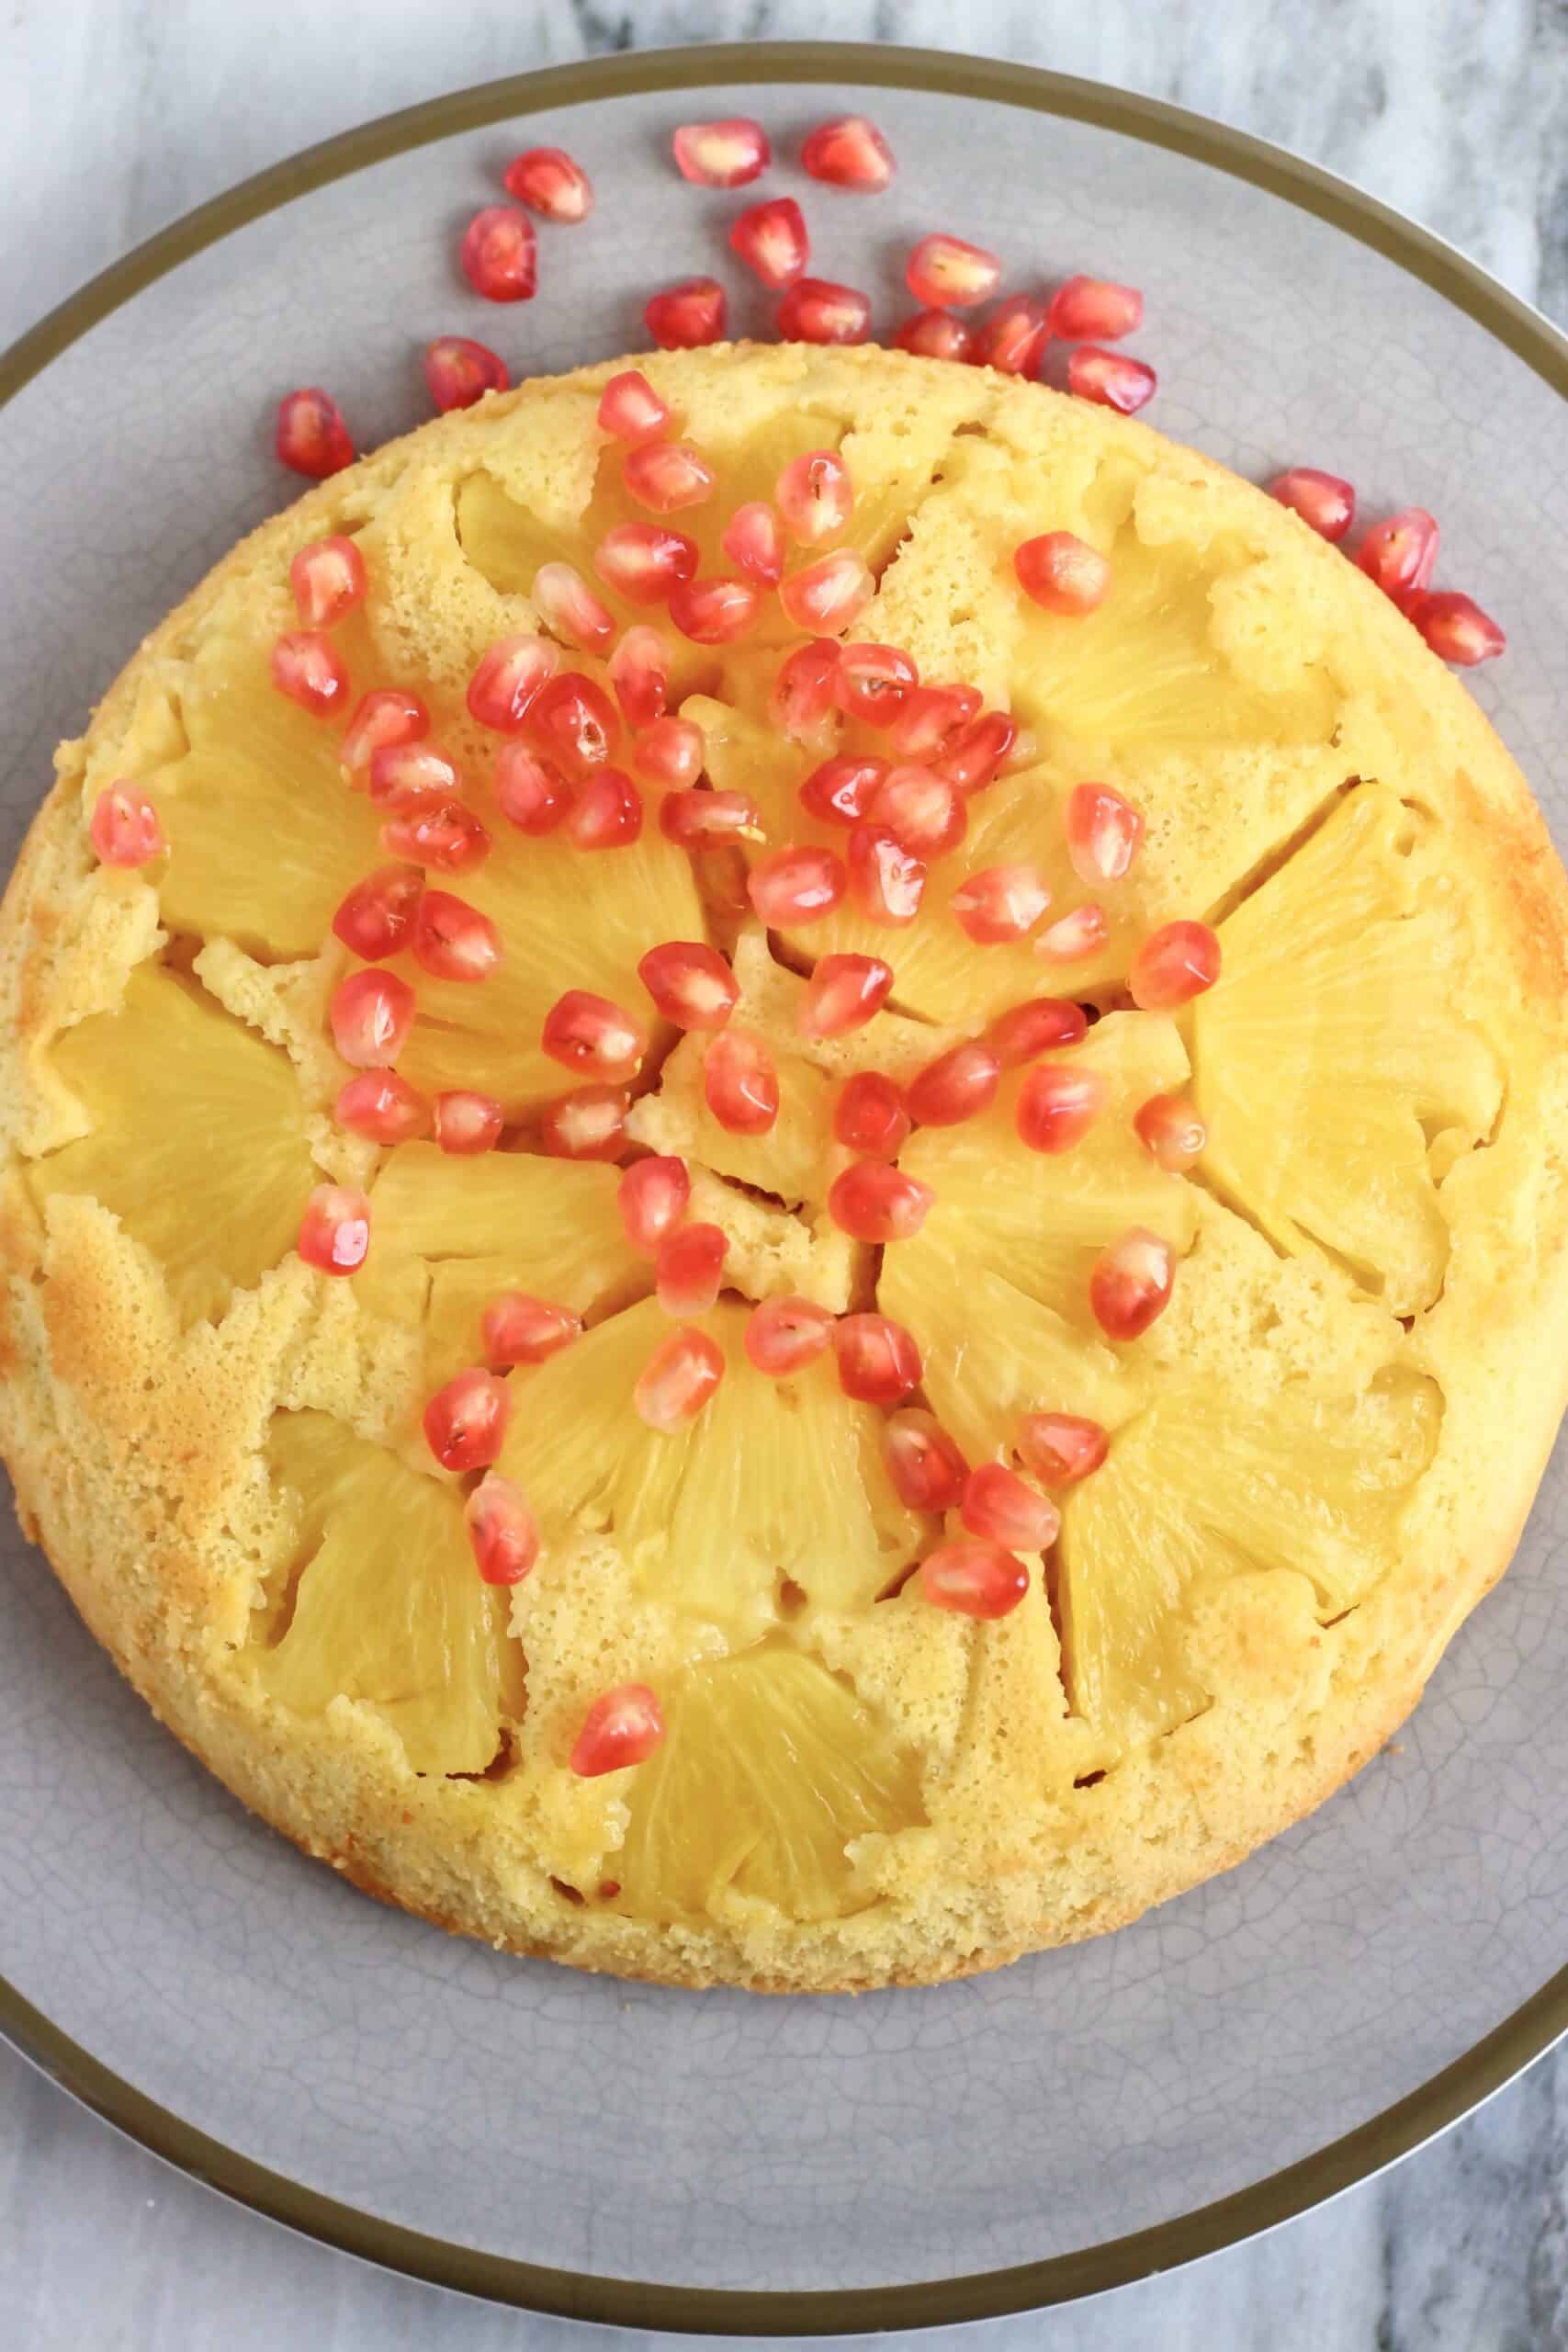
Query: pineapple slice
(775, 1482)
(769, 1769)
(1332, 1062)
(197, 1140)
(387, 1608)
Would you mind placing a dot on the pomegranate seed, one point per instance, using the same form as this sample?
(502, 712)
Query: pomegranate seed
(328, 579)
(466, 1123)
(935, 335)
(1013, 337)
(931, 720)
(529, 792)
(334, 1232)
(551, 183)
(1025, 1031)
(803, 690)
(308, 668)
(974, 757)
(630, 407)
(957, 1085)
(678, 1379)
(1062, 573)
(689, 1269)
(873, 683)
(795, 885)
(371, 1014)
(502, 1529)
(815, 496)
(1062, 1448)
(1111, 378)
(974, 1578)
(722, 154)
(1004, 1509)
(841, 790)
(1456, 628)
(878, 1362)
(624, 1727)
(667, 475)
(442, 833)
(589, 1124)
(783, 1335)
(607, 814)
(1073, 937)
(869, 1115)
(643, 562)
(1172, 1131)
(510, 674)
(944, 270)
(1001, 903)
(652, 1197)
(1174, 964)
(381, 1106)
(741, 1083)
(405, 776)
(1094, 310)
(568, 606)
(519, 1328)
(690, 983)
(1057, 1105)
(872, 1202)
(124, 827)
(923, 809)
(683, 316)
(1324, 501)
(843, 993)
(639, 673)
(716, 611)
(886, 881)
(1131, 1283)
(377, 917)
(924, 1464)
(753, 540)
(1400, 554)
(831, 593)
(464, 1422)
(453, 941)
(310, 436)
(592, 1037)
(669, 752)
(458, 371)
(499, 254)
(848, 152)
(385, 716)
(771, 238)
(1103, 832)
(709, 820)
(575, 721)
(815, 310)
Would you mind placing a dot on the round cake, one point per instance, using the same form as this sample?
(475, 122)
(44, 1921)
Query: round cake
(784, 1141)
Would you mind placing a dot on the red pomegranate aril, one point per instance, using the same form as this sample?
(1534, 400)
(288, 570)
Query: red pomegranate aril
(310, 436)
(575, 721)
(652, 1197)
(872, 1202)
(927, 1469)
(370, 1015)
(499, 253)
(1103, 832)
(377, 917)
(1001, 903)
(124, 827)
(466, 1420)
(816, 309)
(974, 1577)
(886, 881)
(520, 1328)
(1062, 1448)
(529, 792)
(405, 776)
(957, 1085)
(783, 1335)
(943, 270)
(740, 1084)
(923, 808)
(815, 497)
(643, 562)
(1026, 1031)
(1073, 938)
(690, 983)
(381, 719)
(795, 885)
(1111, 378)
(1131, 1283)
(589, 1124)
(1062, 573)
(831, 593)
(666, 476)
(630, 407)
(1094, 310)
(458, 371)
(1004, 1509)
(722, 154)
(1456, 628)
(1175, 964)
(803, 695)
(452, 940)
(698, 821)
(931, 720)
(687, 315)
(551, 183)
(689, 1269)
(624, 1727)
(503, 1531)
(327, 580)
(869, 1115)
(593, 1037)
(510, 674)
(440, 833)
(878, 1361)
(935, 335)
(678, 1379)
(569, 609)
(639, 673)
(1057, 1105)
(334, 1232)
(1401, 555)
(1013, 337)
(1172, 1131)
(848, 152)
(669, 752)
(753, 540)
(309, 669)
(974, 757)
(716, 611)
(1327, 501)
(843, 993)
(841, 790)
(874, 681)
(772, 239)
(466, 1123)
(382, 1107)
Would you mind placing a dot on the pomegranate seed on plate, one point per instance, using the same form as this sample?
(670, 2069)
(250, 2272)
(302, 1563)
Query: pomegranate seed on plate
(795, 885)
(1026, 1031)
(371, 1014)
(957, 1085)
(508, 675)
(843, 993)
(1326, 501)
(440, 833)
(1057, 1105)
(589, 1124)
(709, 820)
(999, 903)
(689, 1269)
(551, 183)
(1131, 1283)
(520, 1328)
(631, 409)
(815, 310)
(124, 827)
(328, 579)
(872, 1202)
(592, 1037)
(678, 1379)
(1171, 1129)
(502, 1529)
(885, 880)
(722, 154)
(803, 692)
(690, 983)
(815, 496)
(1094, 310)
(932, 719)
(1103, 832)
(783, 1335)
(377, 917)
(667, 475)
(753, 540)
(771, 238)
(839, 791)
(529, 792)
(466, 1123)
(310, 436)
(652, 1197)
(976, 1577)
(848, 152)
(831, 593)
(1400, 554)
(740, 1084)
(500, 254)
(639, 673)
(458, 371)
(669, 752)
(1174, 964)
(382, 1107)
(947, 271)
(622, 1727)
(385, 716)
(922, 809)
(334, 1232)
(575, 721)
(568, 606)
(308, 668)
(716, 611)
(684, 316)
(873, 683)
(1013, 337)
(924, 1464)
(1004, 1509)
(1062, 573)
(1456, 628)
(1111, 378)
(453, 941)
(869, 1115)
(1074, 936)
(405, 776)
(974, 757)
(878, 1361)
(935, 335)
(1062, 1448)
(644, 563)
(466, 1420)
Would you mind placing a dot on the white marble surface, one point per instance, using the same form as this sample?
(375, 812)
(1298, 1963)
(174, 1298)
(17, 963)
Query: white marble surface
(117, 116)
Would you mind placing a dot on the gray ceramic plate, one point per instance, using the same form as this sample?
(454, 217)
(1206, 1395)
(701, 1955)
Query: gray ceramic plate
(795, 2165)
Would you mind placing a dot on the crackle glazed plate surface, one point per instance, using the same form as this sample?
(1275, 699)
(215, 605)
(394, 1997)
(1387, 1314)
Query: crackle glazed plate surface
(720, 2161)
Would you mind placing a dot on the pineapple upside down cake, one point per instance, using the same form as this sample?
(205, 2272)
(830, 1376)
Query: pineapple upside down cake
(784, 1189)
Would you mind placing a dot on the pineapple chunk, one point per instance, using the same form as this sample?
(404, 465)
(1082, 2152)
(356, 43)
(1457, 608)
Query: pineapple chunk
(794, 1160)
(771, 1768)
(387, 1608)
(197, 1140)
